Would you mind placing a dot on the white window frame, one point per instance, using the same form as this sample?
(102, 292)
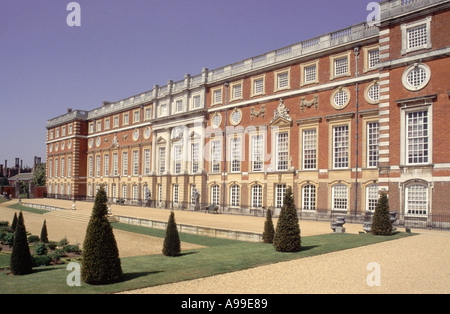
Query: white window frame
(125, 163)
(340, 194)
(176, 194)
(257, 90)
(305, 75)
(257, 199)
(147, 161)
(257, 153)
(309, 149)
(407, 28)
(217, 96)
(235, 195)
(309, 197)
(98, 161)
(215, 194)
(404, 140)
(334, 66)
(282, 152)
(135, 163)
(195, 157)
(177, 158)
(161, 160)
(282, 80)
(341, 147)
(372, 142)
(416, 205)
(424, 69)
(372, 196)
(280, 191)
(235, 154)
(216, 152)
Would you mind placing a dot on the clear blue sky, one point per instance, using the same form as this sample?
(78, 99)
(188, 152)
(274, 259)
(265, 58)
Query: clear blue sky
(125, 47)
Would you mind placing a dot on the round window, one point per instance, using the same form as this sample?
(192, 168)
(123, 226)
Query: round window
(216, 120)
(340, 98)
(416, 77)
(236, 117)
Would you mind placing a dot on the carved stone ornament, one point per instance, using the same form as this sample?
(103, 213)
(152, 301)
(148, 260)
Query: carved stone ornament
(115, 141)
(255, 113)
(309, 104)
(281, 112)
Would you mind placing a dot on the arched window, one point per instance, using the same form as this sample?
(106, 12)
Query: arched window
(257, 195)
(215, 194)
(235, 195)
(371, 197)
(309, 197)
(416, 199)
(340, 197)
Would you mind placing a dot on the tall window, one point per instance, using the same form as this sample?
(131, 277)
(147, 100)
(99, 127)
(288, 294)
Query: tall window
(124, 191)
(371, 197)
(340, 197)
(234, 195)
(257, 195)
(340, 147)
(235, 154)
(147, 161)
(135, 163)
(106, 165)
(280, 191)
(177, 158)
(282, 151)
(125, 163)
(215, 156)
(215, 194)
(115, 164)
(69, 167)
(91, 166)
(373, 129)
(309, 149)
(63, 167)
(175, 194)
(257, 152)
(417, 137)
(162, 160)
(134, 192)
(195, 150)
(373, 58)
(97, 166)
(309, 197)
(416, 200)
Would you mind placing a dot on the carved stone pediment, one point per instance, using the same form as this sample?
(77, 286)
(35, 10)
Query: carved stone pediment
(281, 115)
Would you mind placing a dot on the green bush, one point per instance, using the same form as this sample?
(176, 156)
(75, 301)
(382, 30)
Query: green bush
(381, 223)
(20, 262)
(269, 231)
(63, 242)
(101, 262)
(33, 239)
(172, 245)
(41, 260)
(287, 234)
(72, 248)
(52, 245)
(40, 249)
(56, 255)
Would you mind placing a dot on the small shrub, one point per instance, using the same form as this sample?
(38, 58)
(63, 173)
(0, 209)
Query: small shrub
(40, 260)
(33, 239)
(269, 230)
(44, 235)
(172, 245)
(56, 255)
(52, 245)
(4, 224)
(63, 242)
(72, 248)
(40, 249)
(9, 239)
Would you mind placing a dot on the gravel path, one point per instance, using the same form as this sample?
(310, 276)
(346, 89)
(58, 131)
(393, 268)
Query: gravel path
(418, 264)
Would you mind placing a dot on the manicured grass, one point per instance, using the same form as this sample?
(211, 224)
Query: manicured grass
(220, 256)
(28, 209)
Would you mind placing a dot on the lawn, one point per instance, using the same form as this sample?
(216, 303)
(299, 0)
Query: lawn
(219, 256)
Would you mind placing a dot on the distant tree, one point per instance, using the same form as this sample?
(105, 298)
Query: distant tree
(44, 235)
(39, 175)
(20, 262)
(381, 223)
(101, 262)
(172, 245)
(287, 234)
(269, 230)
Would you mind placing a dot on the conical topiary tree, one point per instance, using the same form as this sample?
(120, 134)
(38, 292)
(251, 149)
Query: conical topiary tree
(172, 245)
(381, 223)
(14, 223)
(287, 234)
(20, 262)
(44, 235)
(101, 262)
(269, 230)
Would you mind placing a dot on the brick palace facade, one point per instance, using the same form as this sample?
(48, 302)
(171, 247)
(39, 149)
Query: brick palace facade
(338, 118)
